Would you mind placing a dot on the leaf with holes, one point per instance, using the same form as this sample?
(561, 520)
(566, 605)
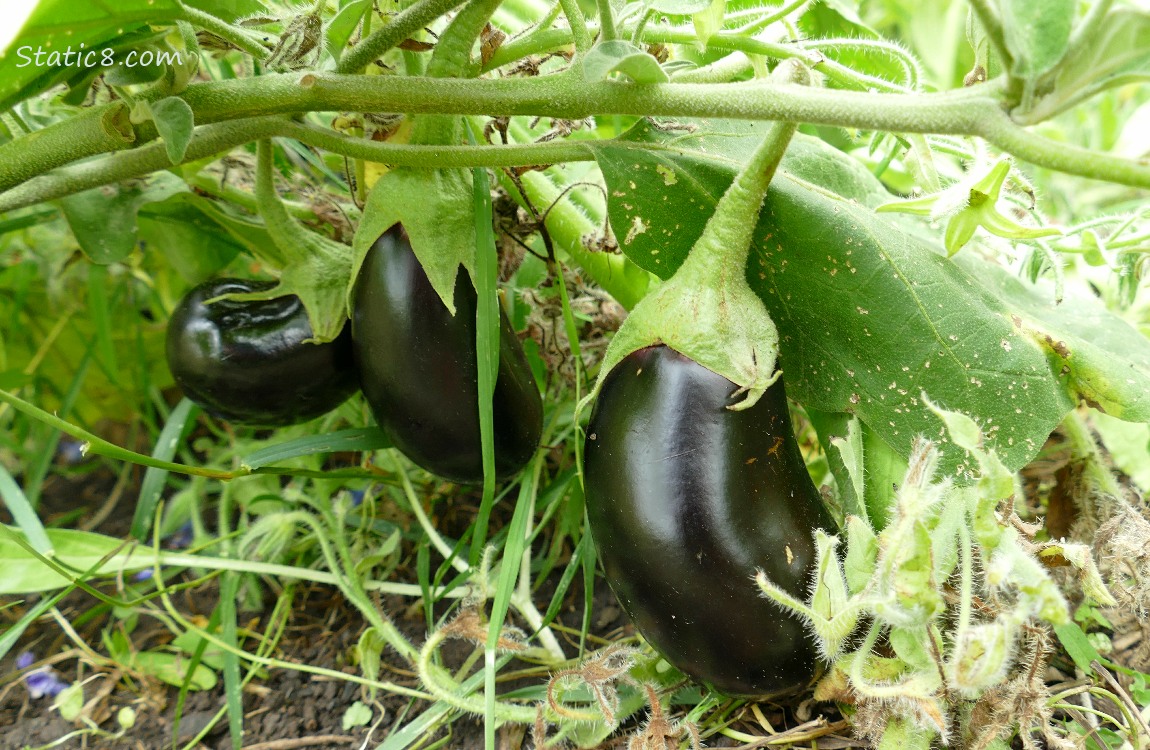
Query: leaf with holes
(872, 316)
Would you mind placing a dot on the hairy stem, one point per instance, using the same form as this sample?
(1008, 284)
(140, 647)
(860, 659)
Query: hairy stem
(977, 111)
(726, 239)
(237, 36)
(405, 23)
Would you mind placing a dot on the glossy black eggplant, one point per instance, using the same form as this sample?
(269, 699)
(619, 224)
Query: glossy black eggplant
(417, 367)
(686, 500)
(249, 363)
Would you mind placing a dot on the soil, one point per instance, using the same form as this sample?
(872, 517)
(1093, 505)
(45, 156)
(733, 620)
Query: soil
(283, 709)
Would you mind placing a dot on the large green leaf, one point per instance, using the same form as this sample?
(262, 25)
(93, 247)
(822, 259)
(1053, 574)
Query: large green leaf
(103, 219)
(1037, 34)
(60, 25)
(1118, 54)
(872, 316)
(193, 242)
(25, 573)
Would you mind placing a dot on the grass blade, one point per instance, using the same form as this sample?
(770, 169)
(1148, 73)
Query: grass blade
(229, 589)
(155, 477)
(23, 513)
(486, 345)
(362, 439)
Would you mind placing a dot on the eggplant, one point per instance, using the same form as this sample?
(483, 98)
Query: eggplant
(418, 372)
(250, 362)
(686, 499)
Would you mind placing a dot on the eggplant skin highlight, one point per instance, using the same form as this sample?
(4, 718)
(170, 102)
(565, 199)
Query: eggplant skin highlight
(250, 362)
(686, 500)
(418, 372)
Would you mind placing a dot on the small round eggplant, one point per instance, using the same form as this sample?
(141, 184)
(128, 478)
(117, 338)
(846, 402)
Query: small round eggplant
(686, 500)
(417, 367)
(249, 363)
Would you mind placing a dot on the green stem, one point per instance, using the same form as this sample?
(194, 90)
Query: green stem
(183, 559)
(349, 583)
(238, 37)
(723, 247)
(641, 26)
(606, 21)
(992, 25)
(723, 70)
(578, 24)
(91, 132)
(405, 23)
(217, 139)
(762, 21)
(452, 59)
(452, 53)
(440, 684)
(272, 663)
(974, 111)
(211, 185)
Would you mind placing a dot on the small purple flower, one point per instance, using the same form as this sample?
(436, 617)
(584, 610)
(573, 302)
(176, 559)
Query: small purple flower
(70, 452)
(42, 681)
(182, 537)
(144, 575)
(356, 497)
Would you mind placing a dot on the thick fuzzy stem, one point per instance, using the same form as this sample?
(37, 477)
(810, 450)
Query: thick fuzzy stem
(401, 27)
(726, 241)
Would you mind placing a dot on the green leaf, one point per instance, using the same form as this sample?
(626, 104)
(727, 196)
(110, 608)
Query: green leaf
(189, 238)
(356, 439)
(870, 316)
(174, 669)
(23, 513)
(60, 25)
(1118, 54)
(1077, 645)
(436, 207)
(103, 219)
(25, 573)
(175, 123)
(155, 478)
(358, 714)
(1037, 34)
(341, 27)
(1096, 356)
(618, 56)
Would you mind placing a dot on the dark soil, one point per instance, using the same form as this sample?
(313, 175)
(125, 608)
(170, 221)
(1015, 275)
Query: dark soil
(283, 709)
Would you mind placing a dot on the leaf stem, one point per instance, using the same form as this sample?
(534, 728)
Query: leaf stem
(578, 23)
(403, 25)
(607, 30)
(992, 25)
(237, 36)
